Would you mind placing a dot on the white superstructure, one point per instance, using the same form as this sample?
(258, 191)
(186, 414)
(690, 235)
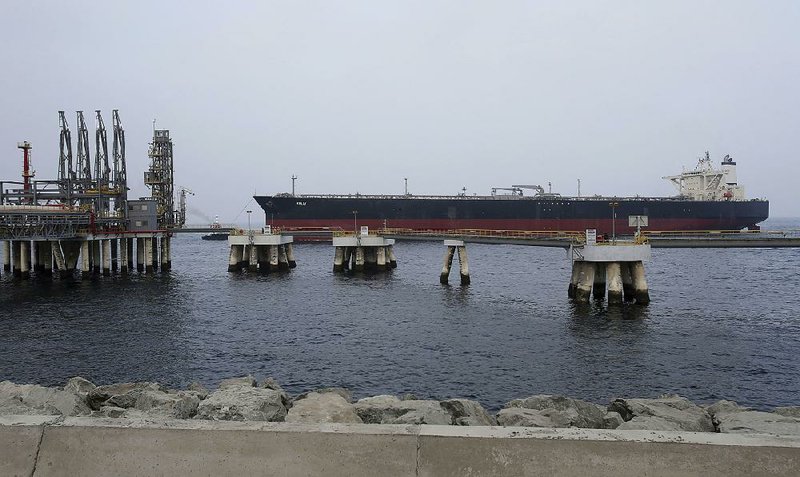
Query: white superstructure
(707, 183)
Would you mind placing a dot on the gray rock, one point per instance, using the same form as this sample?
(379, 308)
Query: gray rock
(110, 411)
(242, 403)
(682, 413)
(79, 386)
(271, 383)
(788, 411)
(32, 399)
(198, 389)
(612, 420)
(243, 381)
(649, 423)
(578, 413)
(409, 397)
(344, 393)
(180, 405)
(520, 416)
(757, 422)
(391, 410)
(468, 413)
(724, 407)
(119, 395)
(322, 407)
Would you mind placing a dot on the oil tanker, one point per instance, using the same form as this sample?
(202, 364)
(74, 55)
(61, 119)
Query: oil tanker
(708, 198)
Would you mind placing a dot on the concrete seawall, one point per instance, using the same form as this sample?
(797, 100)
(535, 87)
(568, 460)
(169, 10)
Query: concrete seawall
(50, 445)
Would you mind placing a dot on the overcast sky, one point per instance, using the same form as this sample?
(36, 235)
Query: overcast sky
(356, 95)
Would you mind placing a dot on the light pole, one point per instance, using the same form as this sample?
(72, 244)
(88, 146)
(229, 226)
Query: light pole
(248, 220)
(294, 178)
(613, 206)
(406, 180)
(355, 221)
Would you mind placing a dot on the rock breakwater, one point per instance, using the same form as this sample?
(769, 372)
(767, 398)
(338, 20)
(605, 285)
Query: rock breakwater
(244, 399)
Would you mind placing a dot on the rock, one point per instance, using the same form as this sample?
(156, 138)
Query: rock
(322, 407)
(468, 413)
(520, 416)
(34, 399)
(682, 413)
(612, 420)
(180, 405)
(242, 403)
(757, 422)
(198, 389)
(578, 413)
(110, 411)
(649, 423)
(391, 410)
(243, 381)
(271, 383)
(724, 407)
(788, 411)
(409, 397)
(120, 395)
(79, 386)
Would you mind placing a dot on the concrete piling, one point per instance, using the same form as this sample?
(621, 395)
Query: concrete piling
(59, 257)
(46, 254)
(252, 258)
(391, 257)
(359, 260)
(599, 285)
(259, 252)
(16, 253)
(85, 259)
(640, 290)
(448, 263)
(380, 258)
(283, 262)
(130, 253)
(583, 289)
(455, 247)
(97, 260)
(463, 265)
(614, 281)
(6, 255)
(573, 281)
(338, 259)
(154, 251)
(166, 262)
(235, 257)
(262, 255)
(273, 257)
(290, 255)
(35, 257)
(362, 252)
(114, 256)
(25, 262)
(148, 255)
(627, 282)
(106, 244)
(123, 256)
(140, 255)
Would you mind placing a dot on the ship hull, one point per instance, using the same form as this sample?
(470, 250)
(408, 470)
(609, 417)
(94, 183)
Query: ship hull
(491, 213)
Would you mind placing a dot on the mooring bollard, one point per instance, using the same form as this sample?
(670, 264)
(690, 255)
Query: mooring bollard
(362, 252)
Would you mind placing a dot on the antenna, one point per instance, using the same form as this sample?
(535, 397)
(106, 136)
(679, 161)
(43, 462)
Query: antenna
(294, 178)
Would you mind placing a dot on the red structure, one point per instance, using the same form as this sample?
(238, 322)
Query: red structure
(27, 173)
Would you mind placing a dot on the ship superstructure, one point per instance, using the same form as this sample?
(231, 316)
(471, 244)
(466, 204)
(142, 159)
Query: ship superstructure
(707, 183)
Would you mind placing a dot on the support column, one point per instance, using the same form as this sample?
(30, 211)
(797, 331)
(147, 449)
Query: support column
(6, 255)
(234, 258)
(165, 263)
(46, 258)
(599, 285)
(148, 255)
(262, 253)
(123, 256)
(283, 262)
(614, 279)
(290, 255)
(72, 250)
(60, 259)
(338, 259)
(448, 263)
(464, 264)
(585, 281)
(392, 258)
(640, 290)
(273, 257)
(16, 253)
(140, 255)
(627, 281)
(168, 251)
(381, 258)
(243, 257)
(131, 254)
(154, 253)
(106, 244)
(86, 262)
(348, 257)
(96, 256)
(358, 265)
(573, 281)
(252, 258)
(35, 256)
(114, 255)
(25, 263)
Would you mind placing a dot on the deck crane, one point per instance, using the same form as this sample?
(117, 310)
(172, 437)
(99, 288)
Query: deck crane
(181, 219)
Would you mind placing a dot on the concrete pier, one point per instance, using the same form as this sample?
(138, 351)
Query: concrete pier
(86, 270)
(123, 256)
(131, 255)
(166, 263)
(154, 253)
(455, 247)
(259, 252)
(16, 258)
(140, 255)
(148, 255)
(391, 257)
(616, 267)
(290, 255)
(106, 244)
(25, 259)
(35, 257)
(6, 245)
(362, 252)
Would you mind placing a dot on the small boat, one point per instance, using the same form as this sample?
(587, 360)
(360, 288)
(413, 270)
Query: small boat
(215, 235)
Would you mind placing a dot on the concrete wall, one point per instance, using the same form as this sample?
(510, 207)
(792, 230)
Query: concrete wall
(87, 446)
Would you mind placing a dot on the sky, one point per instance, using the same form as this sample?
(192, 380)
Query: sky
(355, 96)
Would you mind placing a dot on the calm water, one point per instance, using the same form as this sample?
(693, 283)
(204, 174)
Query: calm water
(722, 324)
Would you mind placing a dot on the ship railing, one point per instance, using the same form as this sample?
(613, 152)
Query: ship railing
(716, 233)
(488, 233)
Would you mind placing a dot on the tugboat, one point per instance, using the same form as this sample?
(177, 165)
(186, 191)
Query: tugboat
(215, 235)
